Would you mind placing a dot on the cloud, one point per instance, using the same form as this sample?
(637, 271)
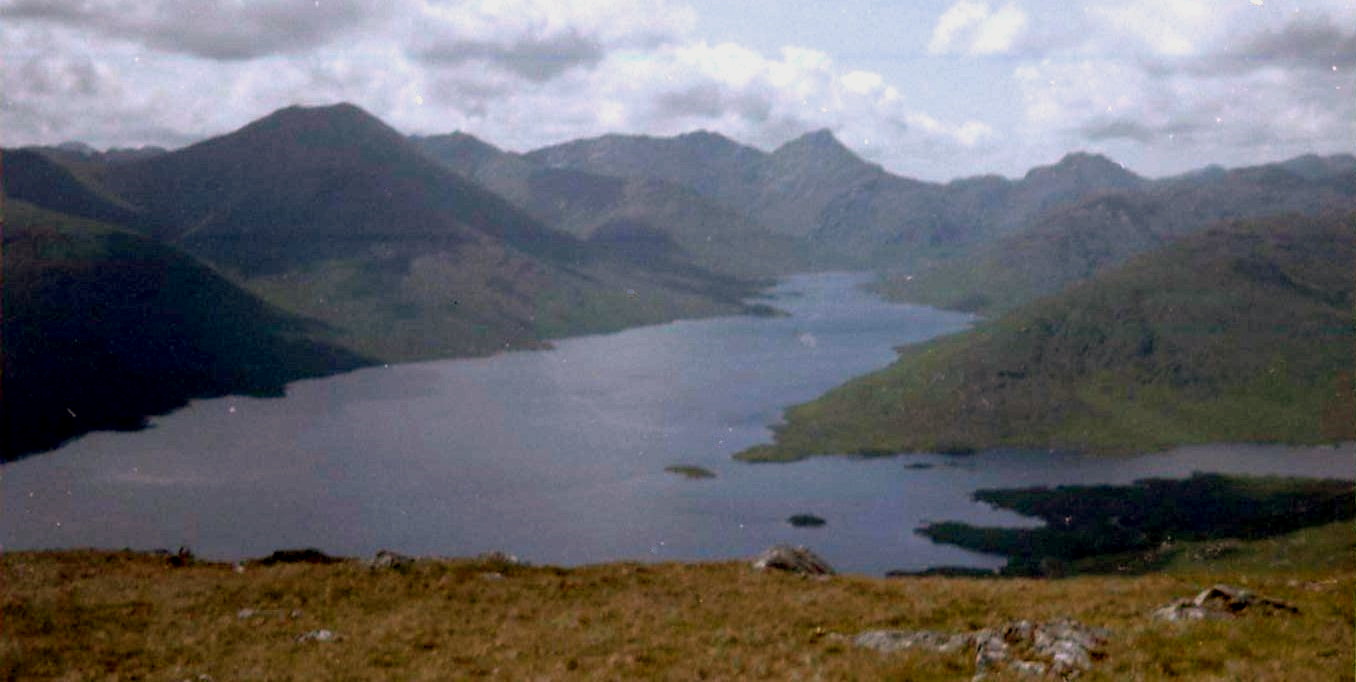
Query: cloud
(211, 30)
(536, 60)
(1202, 81)
(973, 28)
(539, 40)
(1308, 43)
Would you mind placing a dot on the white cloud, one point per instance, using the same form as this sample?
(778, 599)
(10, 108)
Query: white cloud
(974, 28)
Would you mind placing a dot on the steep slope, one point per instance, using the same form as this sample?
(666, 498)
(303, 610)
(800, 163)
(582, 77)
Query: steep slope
(305, 184)
(332, 215)
(1239, 333)
(652, 220)
(1072, 242)
(42, 179)
(800, 178)
(104, 327)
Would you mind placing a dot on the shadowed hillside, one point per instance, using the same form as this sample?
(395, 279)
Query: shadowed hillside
(104, 327)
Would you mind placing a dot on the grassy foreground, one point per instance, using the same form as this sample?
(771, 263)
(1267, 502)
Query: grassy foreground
(118, 615)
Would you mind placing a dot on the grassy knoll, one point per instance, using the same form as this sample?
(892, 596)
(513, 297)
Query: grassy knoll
(102, 615)
(1240, 333)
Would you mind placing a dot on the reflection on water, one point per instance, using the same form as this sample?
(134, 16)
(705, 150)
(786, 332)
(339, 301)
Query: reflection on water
(559, 456)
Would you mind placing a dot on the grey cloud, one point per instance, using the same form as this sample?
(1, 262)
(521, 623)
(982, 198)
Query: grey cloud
(223, 32)
(471, 96)
(712, 100)
(1307, 45)
(537, 60)
(1316, 44)
(1127, 129)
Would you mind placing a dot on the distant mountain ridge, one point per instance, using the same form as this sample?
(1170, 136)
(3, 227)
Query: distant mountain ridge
(815, 187)
(1073, 241)
(655, 219)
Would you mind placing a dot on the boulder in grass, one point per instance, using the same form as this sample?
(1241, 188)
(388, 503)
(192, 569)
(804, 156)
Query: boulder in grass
(798, 560)
(1061, 649)
(1220, 602)
(386, 559)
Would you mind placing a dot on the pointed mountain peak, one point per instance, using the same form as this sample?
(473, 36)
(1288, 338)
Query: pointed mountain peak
(821, 140)
(822, 148)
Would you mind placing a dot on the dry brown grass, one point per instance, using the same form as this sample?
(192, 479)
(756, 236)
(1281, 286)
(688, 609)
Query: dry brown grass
(80, 615)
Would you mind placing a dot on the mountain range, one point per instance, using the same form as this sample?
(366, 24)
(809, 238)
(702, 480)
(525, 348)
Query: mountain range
(816, 188)
(333, 241)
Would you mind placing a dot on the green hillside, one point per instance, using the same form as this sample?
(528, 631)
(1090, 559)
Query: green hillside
(1240, 333)
(104, 327)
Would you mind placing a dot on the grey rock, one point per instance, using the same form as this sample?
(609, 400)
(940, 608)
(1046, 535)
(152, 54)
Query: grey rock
(889, 641)
(319, 636)
(1063, 649)
(386, 559)
(798, 560)
(1220, 602)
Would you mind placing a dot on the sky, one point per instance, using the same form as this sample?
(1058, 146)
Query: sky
(933, 90)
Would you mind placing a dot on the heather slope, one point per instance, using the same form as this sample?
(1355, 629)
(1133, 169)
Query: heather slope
(82, 614)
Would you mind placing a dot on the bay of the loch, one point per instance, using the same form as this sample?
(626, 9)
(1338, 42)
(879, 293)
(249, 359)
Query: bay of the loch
(559, 456)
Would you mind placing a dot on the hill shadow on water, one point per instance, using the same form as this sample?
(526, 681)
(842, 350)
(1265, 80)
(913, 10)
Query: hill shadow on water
(1136, 528)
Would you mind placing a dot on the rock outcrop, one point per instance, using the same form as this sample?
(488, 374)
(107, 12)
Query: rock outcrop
(1063, 648)
(1221, 602)
(798, 560)
(387, 560)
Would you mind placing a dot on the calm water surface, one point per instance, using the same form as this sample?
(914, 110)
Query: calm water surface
(558, 456)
